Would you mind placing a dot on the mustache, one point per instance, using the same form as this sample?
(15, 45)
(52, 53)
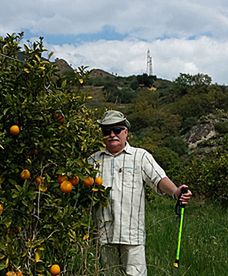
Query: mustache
(111, 139)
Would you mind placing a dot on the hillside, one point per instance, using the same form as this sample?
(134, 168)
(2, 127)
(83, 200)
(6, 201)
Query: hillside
(191, 108)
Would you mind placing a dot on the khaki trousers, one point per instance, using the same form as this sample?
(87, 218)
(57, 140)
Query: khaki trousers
(121, 259)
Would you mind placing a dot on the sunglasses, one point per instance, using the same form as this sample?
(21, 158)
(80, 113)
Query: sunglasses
(115, 130)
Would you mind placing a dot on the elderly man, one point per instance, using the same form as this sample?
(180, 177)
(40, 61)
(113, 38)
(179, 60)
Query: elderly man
(126, 170)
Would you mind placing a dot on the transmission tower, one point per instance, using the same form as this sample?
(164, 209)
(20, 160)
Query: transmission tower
(149, 64)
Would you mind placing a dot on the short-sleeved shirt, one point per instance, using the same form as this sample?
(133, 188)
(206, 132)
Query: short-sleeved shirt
(123, 220)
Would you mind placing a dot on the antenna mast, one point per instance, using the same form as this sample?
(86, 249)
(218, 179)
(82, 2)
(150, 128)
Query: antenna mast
(149, 64)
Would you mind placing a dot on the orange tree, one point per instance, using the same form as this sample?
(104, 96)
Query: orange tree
(53, 133)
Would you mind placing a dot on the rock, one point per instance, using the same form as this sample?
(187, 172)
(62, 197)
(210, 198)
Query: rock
(200, 133)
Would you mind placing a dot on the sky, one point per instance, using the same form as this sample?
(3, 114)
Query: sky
(182, 36)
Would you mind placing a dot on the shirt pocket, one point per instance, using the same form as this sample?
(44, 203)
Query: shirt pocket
(131, 177)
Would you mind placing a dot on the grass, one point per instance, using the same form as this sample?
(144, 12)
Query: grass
(204, 239)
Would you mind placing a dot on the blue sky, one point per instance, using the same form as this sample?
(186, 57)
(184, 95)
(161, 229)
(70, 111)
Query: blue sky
(107, 33)
(183, 36)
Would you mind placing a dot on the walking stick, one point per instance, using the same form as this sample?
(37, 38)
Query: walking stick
(179, 209)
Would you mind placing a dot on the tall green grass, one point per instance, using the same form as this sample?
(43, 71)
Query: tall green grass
(204, 239)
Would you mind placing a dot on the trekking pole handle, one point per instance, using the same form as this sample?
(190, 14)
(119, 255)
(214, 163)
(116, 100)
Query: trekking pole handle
(179, 204)
(184, 190)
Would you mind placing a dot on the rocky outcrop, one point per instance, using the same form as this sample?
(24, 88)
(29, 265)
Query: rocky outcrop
(209, 133)
(200, 133)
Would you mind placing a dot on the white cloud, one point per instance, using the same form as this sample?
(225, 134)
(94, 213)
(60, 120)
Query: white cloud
(170, 57)
(183, 35)
(147, 19)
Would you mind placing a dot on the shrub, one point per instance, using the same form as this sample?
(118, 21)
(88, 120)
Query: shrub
(207, 176)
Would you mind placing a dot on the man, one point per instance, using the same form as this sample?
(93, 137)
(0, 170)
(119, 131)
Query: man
(126, 170)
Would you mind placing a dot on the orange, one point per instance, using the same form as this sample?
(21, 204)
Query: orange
(62, 178)
(19, 273)
(61, 118)
(25, 174)
(88, 181)
(74, 180)
(1, 208)
(98, 180)
(66, 186)
(39, 180)
(55, 269)
(14, 130)
(11, 273)
(86, 237)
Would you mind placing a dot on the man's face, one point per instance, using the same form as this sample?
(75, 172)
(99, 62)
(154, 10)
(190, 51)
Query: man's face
(115, 138)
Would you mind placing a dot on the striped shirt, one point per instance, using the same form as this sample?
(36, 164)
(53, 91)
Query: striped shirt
(123, 221)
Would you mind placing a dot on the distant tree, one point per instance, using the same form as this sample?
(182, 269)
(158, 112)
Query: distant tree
(145, 80)
(111, 92)
(134, 84)
(187, 83)
(201, 80)
(218, 98)
(176, 144)
(187, 80)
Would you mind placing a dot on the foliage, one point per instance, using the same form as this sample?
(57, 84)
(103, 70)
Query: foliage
(195, 96)
(176, 144)
(145, 80)
(145, 113)
(169, 160)
(187, 80)
(119, 95)
(207, 175)
(40, 225)
(222, 127)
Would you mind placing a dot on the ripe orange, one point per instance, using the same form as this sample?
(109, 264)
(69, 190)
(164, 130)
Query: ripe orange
(25, 174)
(61, 118)
(74, 180)
(11, 273)
(66, 186)
(19, 273)
(55, 269)
(98, 180)
(1, 208)
(62, 178)
(88, 181)
(14, 130)
(39, 180)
